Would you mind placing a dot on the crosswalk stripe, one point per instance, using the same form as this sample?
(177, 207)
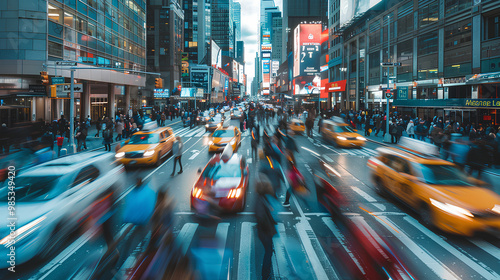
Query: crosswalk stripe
(488, 248)
(432, 262)
(193, 132)
(245, 254)
(181, 132)
(281, 261)
(186, 236)
(201, 133)
(341, 238)
(479, 267)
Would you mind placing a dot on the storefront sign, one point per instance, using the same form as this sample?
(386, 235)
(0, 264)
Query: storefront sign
(336, 86)
(37, 88)
(57, 80)
(493, 103)
(402, 93)
(161, 93)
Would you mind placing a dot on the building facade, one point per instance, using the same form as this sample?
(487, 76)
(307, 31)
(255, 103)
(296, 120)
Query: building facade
(222, 26)
(37, 33)
(449, 54)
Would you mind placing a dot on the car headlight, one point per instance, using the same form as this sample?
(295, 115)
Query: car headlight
(149, 153)
(21, 232)
(210, 142)
(218, 125)
(452, 209)
(341, 138)
(496, 209)
(361, 138)
(232, 142)
(120, 155)
(206, 125)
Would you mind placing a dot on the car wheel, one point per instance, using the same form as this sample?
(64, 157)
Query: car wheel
(158, 160)
(426, 215)
(379, 187)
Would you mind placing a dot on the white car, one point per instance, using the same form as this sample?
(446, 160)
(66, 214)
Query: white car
(52, 200)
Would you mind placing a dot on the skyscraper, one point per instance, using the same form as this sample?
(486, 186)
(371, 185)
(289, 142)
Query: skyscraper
(240, 52)
(237, 20)
(222, 26)
(196, 29)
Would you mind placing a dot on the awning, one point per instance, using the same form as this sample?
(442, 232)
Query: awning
(28, 94)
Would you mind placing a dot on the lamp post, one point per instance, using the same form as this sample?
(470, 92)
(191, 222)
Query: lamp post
(387, 137)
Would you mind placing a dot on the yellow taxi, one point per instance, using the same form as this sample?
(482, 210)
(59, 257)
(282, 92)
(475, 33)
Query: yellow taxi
(341, 134)
(222, 137)
(146, 147)
(439, 191)
(297, 126)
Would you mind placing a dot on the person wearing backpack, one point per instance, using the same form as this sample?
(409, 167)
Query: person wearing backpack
(266, 221)
(108, 138)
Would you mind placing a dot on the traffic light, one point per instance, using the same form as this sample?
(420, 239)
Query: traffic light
(158, 83)
(44, 77)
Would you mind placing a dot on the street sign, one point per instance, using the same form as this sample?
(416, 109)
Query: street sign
(390, 64)
(388, 94)
(37, 88)
(66, 63)
(57, 80)
(76, 88)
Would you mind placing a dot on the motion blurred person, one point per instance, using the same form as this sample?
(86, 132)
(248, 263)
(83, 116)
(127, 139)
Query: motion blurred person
(265, 221)
(108, 138)
(255, 141)
(177, 152)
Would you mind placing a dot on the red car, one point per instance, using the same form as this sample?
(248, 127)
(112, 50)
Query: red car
(222, 184)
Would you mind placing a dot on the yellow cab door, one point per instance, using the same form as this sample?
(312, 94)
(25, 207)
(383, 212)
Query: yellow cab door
(237, 135)
(169, 135)
(327, 131)
(161, 147)
(399, 181)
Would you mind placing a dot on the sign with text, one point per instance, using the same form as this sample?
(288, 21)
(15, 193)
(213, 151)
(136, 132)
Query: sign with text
(76, 87)
(66, 63)
(161, 93)
(57, 80)
(336, 86)
(307, 50)
(402, 93)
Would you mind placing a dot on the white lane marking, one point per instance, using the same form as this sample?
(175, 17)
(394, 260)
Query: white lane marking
(249, 160)
(317, 214)
(245, 253)
(318, 259)
(221, 232)
(432, 262)
(327, 158)
(201, 133)
(342, 240)
(248, 153)
(181, 131)
(328, 148)
(194, 131)
(475, 264)
(310, 151)
(282, 263)
(64, 255)
(488, 248)
(366, 196)
(186, 236)
(194, 155)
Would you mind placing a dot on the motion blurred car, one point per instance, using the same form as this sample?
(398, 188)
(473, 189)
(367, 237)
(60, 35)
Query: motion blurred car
(297, 125)
(222, 183)
(222, 137)
(341, 134)
(51, 201)
(236, 113)
(438, 190)
(204, 117)
(146, 147)
(214, 123)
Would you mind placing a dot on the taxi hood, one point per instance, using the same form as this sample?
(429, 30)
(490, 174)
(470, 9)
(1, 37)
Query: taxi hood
(471, 198)
(137, 147)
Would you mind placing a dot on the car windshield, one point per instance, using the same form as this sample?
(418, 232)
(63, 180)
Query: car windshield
(215, 119)
(144, 139)
(343, 128)
(222, 170)
(223, 133)
(448, 175)
(31, 188)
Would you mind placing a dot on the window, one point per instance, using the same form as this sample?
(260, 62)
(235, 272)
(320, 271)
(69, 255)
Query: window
(374, 38)
(405, 56)
(492, 27)
(405, 24)
(88, 173)
(55, 13)
(453, 6)
(374, 68)
(427, 67)
(458, 33)
(427, 43)
(69, 19)
(428, 14)
(55, 49)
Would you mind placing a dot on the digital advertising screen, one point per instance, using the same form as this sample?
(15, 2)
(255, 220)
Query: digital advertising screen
(235, 70)
(352, 8)
(266, 73)
(241, 75)
(304, 85)
(307, 50)
(188, 92)
(216, 55)
(200, 80)
(161, 93)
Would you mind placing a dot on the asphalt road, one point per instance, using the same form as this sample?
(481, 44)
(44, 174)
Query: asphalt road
(307, 237)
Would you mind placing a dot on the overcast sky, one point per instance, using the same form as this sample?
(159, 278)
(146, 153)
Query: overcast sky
(250, 15)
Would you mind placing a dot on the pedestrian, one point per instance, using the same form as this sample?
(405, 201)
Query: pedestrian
(62, 123)
(4, 139)
(320, 123)
(177, 153)
(255, 141)
(393, 130)
(309, 126)
(98, 127)
(119, 129)
(163, 119)
(265, 215)
(410, 129)
(60, 141)
(108, 138)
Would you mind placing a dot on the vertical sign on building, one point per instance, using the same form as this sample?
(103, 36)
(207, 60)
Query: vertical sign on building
(307, 54)
(266, 49)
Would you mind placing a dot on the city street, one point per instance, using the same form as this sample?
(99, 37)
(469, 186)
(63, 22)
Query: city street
(308, 238)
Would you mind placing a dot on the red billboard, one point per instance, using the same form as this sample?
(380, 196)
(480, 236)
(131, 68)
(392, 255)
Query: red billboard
(307, 50)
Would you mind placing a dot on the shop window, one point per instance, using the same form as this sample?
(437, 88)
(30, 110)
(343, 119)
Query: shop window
(492, 27)
(428, 14)
(427, 43)
(457, 34)
(426, 93)
(453, 6)
(374, 68)
(55, 13)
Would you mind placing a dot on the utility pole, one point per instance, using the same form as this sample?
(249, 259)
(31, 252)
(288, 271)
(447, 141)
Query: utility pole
(387, 137)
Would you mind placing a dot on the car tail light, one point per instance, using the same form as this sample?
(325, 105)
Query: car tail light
(234, 193)
(197, 193)
(373, 163)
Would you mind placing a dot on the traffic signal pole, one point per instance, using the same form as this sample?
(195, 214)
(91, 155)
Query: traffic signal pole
(387, 136)
(71, 113)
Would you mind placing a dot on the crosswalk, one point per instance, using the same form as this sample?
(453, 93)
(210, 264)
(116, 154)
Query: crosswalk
(434, 256)
(194, 132)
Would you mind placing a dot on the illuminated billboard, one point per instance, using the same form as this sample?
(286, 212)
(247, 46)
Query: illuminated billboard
(307, 50)
(241, 76)
(353, 8)
(185, 64)
(266, 36)
(304, 85)
(216, 55)
(266, 73)
(235, 71)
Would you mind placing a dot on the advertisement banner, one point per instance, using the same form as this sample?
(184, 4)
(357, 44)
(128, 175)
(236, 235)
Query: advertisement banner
(266, 36)
(200, 80)
(336, 86)
(185, 64)
(402, 93)
(216, 55)
(241, 75)
(161, 93)
(266, 70)
(235, 71)
(305, 85)
(352, 8)
(307, 49)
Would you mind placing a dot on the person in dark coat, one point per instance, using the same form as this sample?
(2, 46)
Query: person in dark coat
(476, 158)
(108, 138)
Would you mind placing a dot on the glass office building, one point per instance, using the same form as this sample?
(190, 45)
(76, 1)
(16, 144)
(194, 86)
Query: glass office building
(95, 33)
